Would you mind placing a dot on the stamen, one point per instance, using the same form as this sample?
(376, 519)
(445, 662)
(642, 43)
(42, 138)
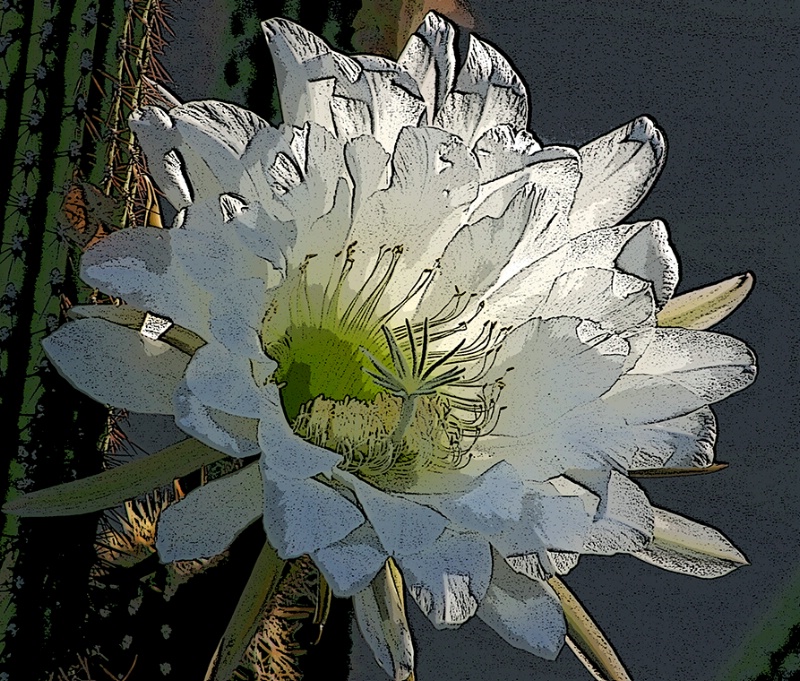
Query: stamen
(366, 311)
(383, 251)
(400, 405)
(330, 314)
(422, 281)
(303, 302)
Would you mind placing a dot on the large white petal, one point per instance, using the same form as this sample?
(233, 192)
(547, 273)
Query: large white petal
(519, 225)
(503, 150)
(403, 525)
(348, 96)
(368, 165)
(681, 371)
(619, 169)
(325, 237)
(116, 365)
(434, 178)
(624, 520)
(139, 266)
(543, 455)
(683, 442)
(212, 138)
(319, 171)
(487, 505)
(449, 578)
(557, 515)
(237, 282)
(524, 612)
(473, 259)
(553, 174)
(617, 302)
(430, 58)
(394, 99)
(304, 515)
(209, 518)
(225, 381)
(551, 366)
(350, 564)
(286, 452)
(235, 435)
(193, 151)
(641, 249)
(158, 139)
(307, 71)
(599, 432)
(230, 236)
(487, 93)
(682, 545)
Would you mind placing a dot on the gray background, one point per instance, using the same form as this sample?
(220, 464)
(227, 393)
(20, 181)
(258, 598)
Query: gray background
(722, 80)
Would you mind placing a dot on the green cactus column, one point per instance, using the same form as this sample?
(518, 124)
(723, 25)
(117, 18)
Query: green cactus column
(56, 429)
(74, 73)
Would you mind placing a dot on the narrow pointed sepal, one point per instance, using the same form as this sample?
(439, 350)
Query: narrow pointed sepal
(676, 472)
(242, 626)
(704, 307)
(380, 613)
(586, 640)
(683, 545)
(116, 485)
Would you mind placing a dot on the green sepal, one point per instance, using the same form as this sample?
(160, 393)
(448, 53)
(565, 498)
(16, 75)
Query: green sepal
(116, 485)
(242, 626)
(585, 638)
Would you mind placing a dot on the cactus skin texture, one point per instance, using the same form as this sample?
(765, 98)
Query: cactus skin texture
(56, 429)
(72, 73)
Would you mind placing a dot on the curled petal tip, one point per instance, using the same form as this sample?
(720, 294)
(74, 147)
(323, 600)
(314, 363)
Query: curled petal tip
(644, 129)
(152, 116)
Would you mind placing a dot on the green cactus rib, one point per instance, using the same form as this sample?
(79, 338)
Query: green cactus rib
(13, 30)
(141, 37)
(13, 108)
(108, 51)
(54, 82)
(44, 263)
(18, 348)
(63, 432)
(144, 54)
(92, 145)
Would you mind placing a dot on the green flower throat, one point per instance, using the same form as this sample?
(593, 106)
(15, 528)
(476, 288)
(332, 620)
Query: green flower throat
(376, 395)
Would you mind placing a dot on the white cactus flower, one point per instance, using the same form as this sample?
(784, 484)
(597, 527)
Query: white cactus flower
(438, 336)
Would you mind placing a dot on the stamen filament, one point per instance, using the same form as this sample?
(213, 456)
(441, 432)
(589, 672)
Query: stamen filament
(345, 317)
(329, 315)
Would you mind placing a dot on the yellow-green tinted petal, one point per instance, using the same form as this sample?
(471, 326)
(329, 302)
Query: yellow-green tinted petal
(683, 545)
(381, 616)
(704, 307)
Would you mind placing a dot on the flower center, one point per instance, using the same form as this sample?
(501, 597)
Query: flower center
(379, 396)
